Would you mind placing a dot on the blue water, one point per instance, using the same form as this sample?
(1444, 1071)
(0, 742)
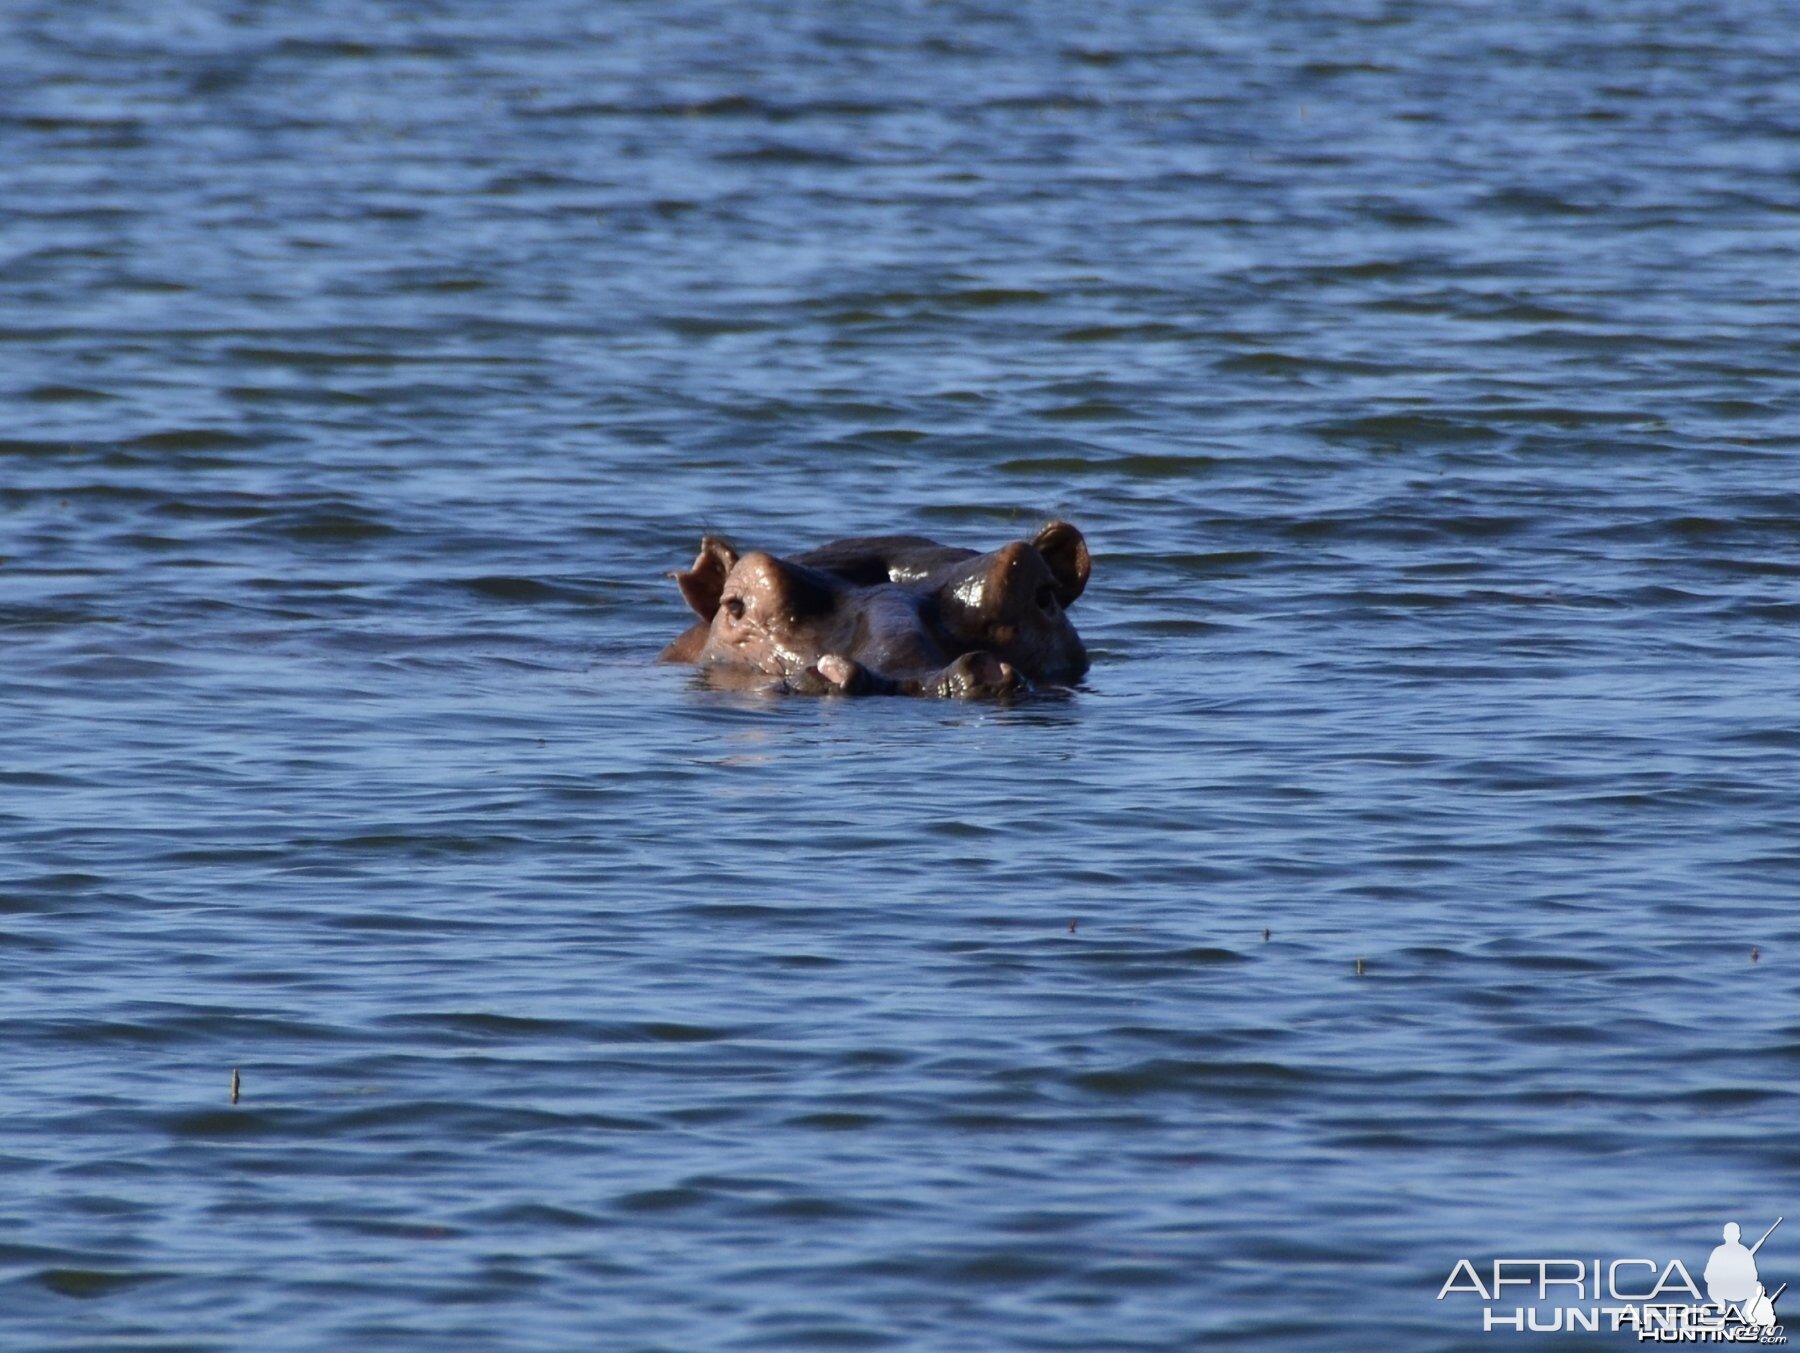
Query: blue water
(1423, 379)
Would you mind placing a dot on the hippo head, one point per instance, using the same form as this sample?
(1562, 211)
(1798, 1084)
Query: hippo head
(888, 615)
(757, 611)
(1013, 602)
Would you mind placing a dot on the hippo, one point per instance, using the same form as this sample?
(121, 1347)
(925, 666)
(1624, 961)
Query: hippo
(888, 615)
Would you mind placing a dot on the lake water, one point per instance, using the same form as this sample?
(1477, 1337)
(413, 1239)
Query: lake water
(1424, 380)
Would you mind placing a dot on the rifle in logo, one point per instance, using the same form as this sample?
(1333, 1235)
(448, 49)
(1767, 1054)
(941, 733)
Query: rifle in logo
(1765, 1235)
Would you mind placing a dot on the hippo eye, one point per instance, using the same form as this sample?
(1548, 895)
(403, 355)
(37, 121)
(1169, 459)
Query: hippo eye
(1046, 599)
(734, 607)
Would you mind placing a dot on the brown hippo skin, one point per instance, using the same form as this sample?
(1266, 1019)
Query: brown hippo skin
(888, 615)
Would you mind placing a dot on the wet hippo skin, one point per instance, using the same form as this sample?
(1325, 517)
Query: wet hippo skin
(888, 615)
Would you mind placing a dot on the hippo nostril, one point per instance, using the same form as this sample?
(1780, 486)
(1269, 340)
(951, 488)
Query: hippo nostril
(734, 607)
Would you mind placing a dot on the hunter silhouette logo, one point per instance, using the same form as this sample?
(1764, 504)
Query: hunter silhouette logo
(1731, 1277)
(1659, 1301)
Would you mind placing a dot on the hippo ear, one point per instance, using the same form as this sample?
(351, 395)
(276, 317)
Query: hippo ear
(1066, 552)
(703, 583)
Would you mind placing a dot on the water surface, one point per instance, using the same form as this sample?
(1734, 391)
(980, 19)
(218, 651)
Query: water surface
(1423, 380)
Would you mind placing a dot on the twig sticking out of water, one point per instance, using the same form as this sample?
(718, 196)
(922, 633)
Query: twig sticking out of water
(1359, 967)
(234, 1085)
